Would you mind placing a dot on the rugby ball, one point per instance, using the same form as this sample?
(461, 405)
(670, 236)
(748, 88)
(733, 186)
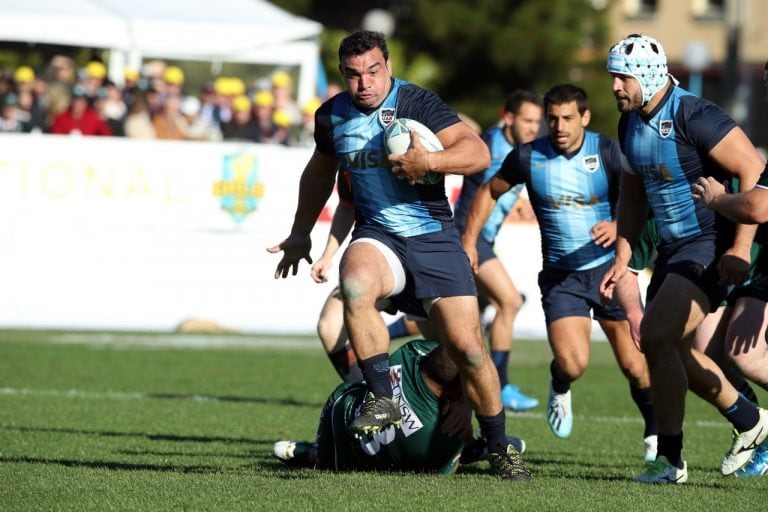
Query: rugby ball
(398, 140)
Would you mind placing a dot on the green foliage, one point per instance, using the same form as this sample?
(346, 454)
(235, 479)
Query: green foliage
(134, 421)
(473, 54)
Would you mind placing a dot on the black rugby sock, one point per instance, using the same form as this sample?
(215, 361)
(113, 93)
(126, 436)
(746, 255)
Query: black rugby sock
(376, 374)
(642, 398)
(671, 447)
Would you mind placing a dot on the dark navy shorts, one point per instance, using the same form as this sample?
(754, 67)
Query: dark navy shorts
(567, 293)
(484, 251)
(695, 260)
(435, 265)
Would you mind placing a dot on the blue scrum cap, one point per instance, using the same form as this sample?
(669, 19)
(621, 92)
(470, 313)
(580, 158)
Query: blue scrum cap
(643, 58)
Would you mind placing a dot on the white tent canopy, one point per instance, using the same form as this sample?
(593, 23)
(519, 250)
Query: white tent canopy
(220, 31)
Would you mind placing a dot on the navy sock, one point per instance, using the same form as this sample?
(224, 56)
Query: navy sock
(376, 374)
(500, 360)
(748, 393)
(642, 398)
(558, 386)
(397, 328)
(345, 364)
(742, 415)
(492, 428)
(672, 448)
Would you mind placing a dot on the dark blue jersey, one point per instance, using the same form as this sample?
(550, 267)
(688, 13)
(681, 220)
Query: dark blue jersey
(669, 151)
(570, 193)
(356, 138)
(499, 147)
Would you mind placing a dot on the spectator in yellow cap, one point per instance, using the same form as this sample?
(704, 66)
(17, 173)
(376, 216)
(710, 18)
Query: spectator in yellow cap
(305, 134)
(282, 121)
(282, 89)
(173, 77)
(93, 75)
(264, 107)
(243, 125)
(28, 104)
(131, 77)
(24, 75)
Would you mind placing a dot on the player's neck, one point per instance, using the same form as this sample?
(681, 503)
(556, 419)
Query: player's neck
(656, 99)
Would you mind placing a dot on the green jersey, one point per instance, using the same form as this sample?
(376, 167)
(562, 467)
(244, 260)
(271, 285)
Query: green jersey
(645, 248)
(417, 445)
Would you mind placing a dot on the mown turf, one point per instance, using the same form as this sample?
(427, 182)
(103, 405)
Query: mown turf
(99, 421)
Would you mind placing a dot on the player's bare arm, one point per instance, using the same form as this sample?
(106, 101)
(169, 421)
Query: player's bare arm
(315, 188)
(464, 153)
(482, 205)
(631, 215)
(736, 154)
(343, 219)
(748, 207)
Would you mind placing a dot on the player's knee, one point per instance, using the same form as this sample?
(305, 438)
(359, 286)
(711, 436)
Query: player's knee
(573, 366)
(356, 293)
(636, 371)
(510, 306)
(468, 355)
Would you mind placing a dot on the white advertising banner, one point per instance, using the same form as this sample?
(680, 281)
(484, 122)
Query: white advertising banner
(109, 233)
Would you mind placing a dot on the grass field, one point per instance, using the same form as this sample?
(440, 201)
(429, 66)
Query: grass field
(126, 421)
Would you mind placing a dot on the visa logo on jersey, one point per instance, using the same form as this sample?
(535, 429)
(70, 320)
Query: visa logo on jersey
(361, 160)
(654, 172)
(564, 202)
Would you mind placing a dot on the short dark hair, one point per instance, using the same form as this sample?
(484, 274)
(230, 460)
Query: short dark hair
(519, 96)
(361, 42)
(566, 93)
(439, 367)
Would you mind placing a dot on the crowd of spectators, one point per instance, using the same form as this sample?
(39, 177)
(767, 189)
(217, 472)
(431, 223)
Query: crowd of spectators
(152, 103)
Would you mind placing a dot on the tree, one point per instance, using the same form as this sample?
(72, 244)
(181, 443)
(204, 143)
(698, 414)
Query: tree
(474, 53)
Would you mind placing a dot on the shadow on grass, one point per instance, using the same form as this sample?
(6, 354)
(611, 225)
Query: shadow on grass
(111, 465)
(237, 399)
(146, 435)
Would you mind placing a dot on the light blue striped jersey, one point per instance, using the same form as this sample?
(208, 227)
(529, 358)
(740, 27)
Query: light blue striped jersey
(499, 147)
(356, 138)
(570, 193)
(669, 151)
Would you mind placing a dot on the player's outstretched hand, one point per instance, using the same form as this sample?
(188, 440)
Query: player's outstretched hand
(295, 248)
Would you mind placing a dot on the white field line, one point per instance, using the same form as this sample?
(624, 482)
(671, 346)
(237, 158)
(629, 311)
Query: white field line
(97, 395)
(200, 341)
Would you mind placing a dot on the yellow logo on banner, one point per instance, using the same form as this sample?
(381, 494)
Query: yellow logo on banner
(239, 189)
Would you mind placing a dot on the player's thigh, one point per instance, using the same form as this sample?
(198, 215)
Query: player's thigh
(457, 320)
(366, 272)
(710, 335)
(745, 339)
(675, 312)
(569, 339)
(494, 282)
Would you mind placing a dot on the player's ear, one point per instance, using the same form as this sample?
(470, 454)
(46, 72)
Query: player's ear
(585, 117)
